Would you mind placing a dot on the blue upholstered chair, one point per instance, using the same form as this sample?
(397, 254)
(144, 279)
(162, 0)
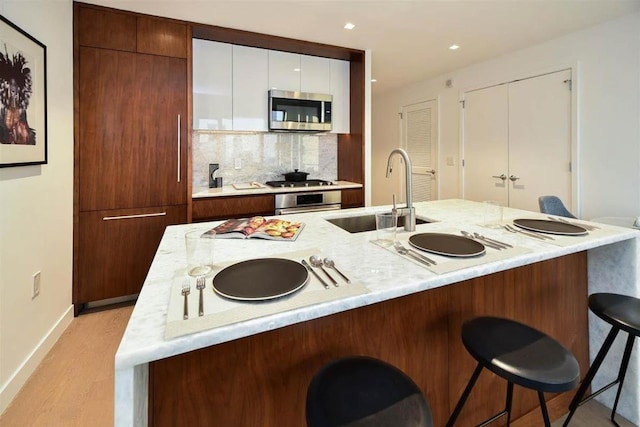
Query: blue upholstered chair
(552, 205)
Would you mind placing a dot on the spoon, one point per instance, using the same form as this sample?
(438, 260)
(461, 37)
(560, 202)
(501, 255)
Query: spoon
(329, 263)
(316, 261)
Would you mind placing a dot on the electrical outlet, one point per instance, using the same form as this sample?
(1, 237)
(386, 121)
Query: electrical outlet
(238, 164)
(36, 285)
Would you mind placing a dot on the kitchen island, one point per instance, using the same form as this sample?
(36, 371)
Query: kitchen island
(255, 371)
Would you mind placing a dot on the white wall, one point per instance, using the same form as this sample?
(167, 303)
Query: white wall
(36, 211)
(608, 58)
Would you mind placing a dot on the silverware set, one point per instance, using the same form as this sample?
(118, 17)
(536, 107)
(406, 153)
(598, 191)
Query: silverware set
(585, 226)
(186, 290)
(402, 250)
(533, 234)
(486, 241)
(318, 262)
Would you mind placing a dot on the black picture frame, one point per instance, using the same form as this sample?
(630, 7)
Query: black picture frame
(23, 97)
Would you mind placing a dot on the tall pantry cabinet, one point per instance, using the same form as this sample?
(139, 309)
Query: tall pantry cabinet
(130, 170)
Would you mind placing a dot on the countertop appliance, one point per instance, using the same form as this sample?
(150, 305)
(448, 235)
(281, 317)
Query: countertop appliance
(313, 201)
(299, 111)
(305, 183)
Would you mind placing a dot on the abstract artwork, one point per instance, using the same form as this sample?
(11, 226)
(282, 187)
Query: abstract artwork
(23, 97)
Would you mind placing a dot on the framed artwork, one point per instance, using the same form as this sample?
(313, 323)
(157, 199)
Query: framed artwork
(23, 97)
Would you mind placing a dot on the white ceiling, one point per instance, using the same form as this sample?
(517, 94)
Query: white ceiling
(409, 39)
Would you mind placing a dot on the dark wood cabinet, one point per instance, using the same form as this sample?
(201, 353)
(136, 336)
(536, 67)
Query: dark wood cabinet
(105, 29)
(352, 198)
(116, 248)
(131, 146)
(131, 151)
(216, 208)
(161, 37)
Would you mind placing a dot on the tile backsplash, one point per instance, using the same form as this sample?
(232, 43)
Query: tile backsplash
(262, 156)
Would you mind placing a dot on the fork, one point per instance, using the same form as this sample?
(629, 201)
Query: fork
(186, 290)
(413, 254)
(526, 233)
(200, 284)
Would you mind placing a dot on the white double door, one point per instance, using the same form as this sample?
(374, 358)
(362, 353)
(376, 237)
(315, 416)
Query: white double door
(517, 141)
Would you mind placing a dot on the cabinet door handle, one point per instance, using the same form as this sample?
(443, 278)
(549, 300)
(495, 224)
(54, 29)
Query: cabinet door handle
(178, 147)
(111, 218)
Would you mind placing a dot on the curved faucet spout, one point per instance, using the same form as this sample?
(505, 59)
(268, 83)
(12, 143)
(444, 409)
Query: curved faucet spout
(407, 170)
(410, 221)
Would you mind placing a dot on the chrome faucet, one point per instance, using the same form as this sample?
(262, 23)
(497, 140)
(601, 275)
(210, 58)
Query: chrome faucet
(408, 212)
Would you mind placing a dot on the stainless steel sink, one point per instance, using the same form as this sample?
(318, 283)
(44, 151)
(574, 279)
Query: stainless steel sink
(358, 224)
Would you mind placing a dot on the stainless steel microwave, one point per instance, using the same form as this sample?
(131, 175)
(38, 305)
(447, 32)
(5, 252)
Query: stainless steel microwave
(299, 111)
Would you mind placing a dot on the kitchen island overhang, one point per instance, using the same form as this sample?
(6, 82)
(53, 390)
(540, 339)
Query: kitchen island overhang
(387, 277)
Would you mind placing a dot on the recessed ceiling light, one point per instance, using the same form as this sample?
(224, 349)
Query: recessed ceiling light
(373, 80)
(296, 69)
(454, 47)
(349, 26)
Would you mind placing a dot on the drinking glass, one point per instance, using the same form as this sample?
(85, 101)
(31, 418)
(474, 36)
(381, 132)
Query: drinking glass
(386, 224)
(199, 252)
(491, 214)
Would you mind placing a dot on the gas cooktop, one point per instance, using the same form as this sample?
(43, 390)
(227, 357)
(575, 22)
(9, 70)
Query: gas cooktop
(307, 183)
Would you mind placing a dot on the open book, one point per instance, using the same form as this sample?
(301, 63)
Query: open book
(257, 227)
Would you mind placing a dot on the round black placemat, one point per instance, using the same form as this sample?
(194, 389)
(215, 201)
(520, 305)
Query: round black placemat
(260, 279)
(552, 227)
(447, 244)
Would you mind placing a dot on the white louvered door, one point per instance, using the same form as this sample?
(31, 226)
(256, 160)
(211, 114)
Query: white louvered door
(420, 140)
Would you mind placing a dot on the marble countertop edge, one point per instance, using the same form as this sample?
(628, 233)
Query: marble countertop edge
(144, 341)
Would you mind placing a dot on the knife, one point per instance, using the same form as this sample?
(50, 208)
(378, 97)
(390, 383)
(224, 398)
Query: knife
(497, 242)
(326, 286)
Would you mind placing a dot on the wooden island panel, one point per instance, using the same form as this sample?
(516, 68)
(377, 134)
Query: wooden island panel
(262, 379)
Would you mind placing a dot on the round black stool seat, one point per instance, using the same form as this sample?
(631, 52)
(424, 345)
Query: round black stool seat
(619, 310)
(521, 354)
(622, 312)
(363, 391)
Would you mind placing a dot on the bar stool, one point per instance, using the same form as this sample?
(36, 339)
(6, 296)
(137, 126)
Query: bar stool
(363, 391)
(521, 355)
(623, 313)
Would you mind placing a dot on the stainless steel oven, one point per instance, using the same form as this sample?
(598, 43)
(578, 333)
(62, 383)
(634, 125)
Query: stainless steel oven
(315, 201)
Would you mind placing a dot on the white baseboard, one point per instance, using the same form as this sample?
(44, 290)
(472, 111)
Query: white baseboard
(10, 389)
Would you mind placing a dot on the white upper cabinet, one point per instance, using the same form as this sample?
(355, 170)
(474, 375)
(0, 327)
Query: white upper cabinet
(284, 71)
(340, 89)
(212, 85)
(231, 84)
(250, 82)
(315, 74)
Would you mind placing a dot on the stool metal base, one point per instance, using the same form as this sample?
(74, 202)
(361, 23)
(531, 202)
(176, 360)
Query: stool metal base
(579, 399)
(507, 407)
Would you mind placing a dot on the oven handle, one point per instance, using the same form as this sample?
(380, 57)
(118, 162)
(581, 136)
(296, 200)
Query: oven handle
(289, 211)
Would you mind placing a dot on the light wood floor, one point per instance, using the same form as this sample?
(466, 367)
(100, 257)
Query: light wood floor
(73, 386)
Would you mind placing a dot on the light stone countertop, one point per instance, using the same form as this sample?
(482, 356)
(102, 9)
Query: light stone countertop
(229, 190)
(385, 274)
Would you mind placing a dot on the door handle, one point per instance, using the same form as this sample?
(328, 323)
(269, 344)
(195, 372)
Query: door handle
(502, 177)
(513, 178)
(178, 147)
(149, 215)
(432, 172)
